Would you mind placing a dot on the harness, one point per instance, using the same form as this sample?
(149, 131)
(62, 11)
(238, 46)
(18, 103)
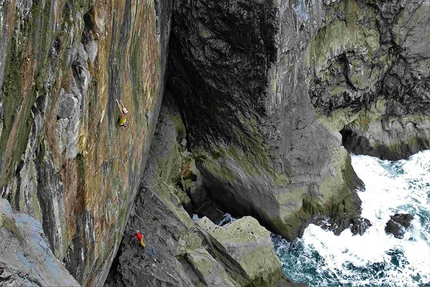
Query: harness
(122, 120)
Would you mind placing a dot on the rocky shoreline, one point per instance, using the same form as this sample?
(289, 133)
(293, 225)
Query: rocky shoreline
(251, 107)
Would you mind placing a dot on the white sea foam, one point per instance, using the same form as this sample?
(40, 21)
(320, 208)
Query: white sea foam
(374, 259)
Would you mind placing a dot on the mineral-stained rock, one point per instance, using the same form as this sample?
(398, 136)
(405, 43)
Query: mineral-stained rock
(398, 224)
(63, 158)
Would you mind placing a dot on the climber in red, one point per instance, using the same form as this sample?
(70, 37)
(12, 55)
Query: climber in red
(139, 236)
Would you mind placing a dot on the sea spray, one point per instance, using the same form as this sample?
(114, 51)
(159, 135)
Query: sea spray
(320, 258)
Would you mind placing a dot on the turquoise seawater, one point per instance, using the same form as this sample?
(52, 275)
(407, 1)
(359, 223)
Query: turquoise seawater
(321, 258)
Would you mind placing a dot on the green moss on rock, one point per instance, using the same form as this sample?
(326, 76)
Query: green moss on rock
(341, 118)
(9, 224)
(339, 36)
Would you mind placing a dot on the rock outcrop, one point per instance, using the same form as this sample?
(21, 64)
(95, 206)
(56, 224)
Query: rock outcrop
(247, 243)
(398, 224)
(391, 80)
(25, 256)
(272, 92)
(179, 251)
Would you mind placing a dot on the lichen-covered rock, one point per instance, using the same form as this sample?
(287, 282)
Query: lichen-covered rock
(25, 256)
(208, 269)
(377, 95)
(249, 244)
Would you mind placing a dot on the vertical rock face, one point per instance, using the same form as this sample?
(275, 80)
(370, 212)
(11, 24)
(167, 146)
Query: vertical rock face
(242, 74)
(63, 158)
(273, 95)
(179, 251)
(371, 76)
(272, 92)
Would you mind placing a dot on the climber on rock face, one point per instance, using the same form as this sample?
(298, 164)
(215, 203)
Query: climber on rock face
(139, 236)
(122, 121)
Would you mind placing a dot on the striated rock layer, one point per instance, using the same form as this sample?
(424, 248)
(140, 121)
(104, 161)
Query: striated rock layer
(63, 158)
(273, 95)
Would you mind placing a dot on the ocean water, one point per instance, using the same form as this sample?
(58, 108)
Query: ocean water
(320, 258)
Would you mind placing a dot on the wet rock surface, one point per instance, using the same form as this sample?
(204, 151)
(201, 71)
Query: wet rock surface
(337, 224)
(398, 224)
(360, 225)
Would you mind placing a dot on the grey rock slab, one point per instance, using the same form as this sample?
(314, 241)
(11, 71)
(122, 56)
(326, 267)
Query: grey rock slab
(25, 257)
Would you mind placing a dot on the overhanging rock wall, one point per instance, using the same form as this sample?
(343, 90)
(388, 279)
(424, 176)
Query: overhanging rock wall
(63, 158)
(273, 95)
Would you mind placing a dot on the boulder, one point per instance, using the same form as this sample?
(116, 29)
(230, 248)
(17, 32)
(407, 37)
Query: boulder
(398, 224)
(246, 243)
(359, 225)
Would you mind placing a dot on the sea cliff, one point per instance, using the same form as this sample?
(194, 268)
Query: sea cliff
(264, 99)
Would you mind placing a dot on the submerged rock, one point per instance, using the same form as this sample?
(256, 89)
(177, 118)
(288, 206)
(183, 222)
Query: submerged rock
(398, 224)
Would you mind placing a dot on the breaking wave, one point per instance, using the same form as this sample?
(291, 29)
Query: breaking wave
(376, 258)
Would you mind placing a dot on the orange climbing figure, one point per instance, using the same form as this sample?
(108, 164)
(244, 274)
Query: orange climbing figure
(122, 121)
(139, 236)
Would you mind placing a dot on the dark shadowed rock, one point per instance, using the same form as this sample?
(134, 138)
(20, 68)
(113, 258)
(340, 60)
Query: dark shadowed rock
(359, 225)
(273, 96)
(398, 224)
(179, 252)
(337, 224)
(240, 76)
